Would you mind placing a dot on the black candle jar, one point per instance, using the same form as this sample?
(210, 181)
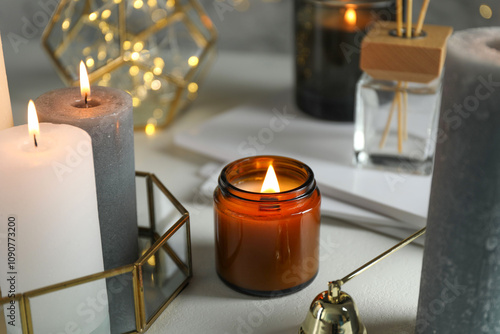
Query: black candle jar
(328, 35)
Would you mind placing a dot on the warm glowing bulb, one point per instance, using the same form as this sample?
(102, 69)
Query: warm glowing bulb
(109, 37)
(150, 129)
(138, 46)
(193, 87)
(138, 4)
(135, 55)
(485, 11)
(157, 70)
(101, 55)
(156, 84)
(148, 76)
(106, 14)
(350, 16)
(84, 81)
(193, 61)
(136, 101)
(66, 23)
(270, 184)
(90, 62)
(33, 126)
(134, 70)
(158, 62)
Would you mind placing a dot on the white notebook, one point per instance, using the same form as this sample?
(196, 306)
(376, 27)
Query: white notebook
(277, 127)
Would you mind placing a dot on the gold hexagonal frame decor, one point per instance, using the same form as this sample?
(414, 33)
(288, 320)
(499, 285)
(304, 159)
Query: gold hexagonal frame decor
(164, 268)
(157, 50)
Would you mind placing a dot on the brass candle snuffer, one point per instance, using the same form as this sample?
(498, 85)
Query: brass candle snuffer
(334, 311)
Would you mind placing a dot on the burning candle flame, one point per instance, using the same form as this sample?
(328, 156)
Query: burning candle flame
(33, 126)
(84, 82)
(270, 184)
(350, 16)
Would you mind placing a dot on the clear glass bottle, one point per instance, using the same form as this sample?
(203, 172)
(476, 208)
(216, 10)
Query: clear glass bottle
(396, 124)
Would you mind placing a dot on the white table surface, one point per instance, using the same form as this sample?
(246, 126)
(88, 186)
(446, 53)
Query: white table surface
(386, 294)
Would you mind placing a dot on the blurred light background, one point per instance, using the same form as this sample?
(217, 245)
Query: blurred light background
(243, 26)
(251, 25)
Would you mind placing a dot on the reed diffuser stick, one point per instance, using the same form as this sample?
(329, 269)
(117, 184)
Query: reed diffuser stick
(405, 110)
(400, 123)
(395, 102)
(409, 17)
(399, 17)
(401, 94)
(421, 17)
(396, 99)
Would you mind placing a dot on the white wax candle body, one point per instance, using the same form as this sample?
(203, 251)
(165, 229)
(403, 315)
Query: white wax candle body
(5, 107)
(49, 227)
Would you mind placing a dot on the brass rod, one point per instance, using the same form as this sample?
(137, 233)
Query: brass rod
(139, 306)
(177, 260)
(80, 280)
(3, 323)
(169, 195)
(26, 317)
(151, 203)
(382, 256)
(190, 254)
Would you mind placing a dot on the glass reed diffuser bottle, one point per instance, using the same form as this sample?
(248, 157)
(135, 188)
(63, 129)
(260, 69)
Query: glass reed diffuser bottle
(398, 97)
(396, 123)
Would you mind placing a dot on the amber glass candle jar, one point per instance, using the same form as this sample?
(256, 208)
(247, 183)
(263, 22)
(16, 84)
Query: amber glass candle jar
(267, 243)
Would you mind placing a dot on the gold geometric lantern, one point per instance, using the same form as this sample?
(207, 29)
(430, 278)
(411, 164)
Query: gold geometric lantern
(157, 50)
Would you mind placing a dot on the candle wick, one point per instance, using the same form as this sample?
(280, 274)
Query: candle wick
(34, 139)
(86, 101)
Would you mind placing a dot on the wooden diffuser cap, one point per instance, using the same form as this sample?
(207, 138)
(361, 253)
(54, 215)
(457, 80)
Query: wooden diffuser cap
(388, 57)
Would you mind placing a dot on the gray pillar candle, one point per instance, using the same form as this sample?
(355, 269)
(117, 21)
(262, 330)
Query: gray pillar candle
(460, 284)
(109, 121)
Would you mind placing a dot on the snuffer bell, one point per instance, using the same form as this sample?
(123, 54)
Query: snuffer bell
(334, 311)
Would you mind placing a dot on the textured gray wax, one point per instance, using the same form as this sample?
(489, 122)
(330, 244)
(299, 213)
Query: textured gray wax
(460, 284)
(109, 121)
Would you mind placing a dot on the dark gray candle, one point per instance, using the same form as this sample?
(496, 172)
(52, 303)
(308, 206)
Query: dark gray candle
(109, 121)
(460, 286)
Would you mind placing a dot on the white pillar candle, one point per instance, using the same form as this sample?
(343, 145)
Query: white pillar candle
(49, 227)
(5, 107)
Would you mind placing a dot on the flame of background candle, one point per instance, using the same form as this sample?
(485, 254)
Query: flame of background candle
(33, 126)
(350, 17)
(270, 184)
(84, 81)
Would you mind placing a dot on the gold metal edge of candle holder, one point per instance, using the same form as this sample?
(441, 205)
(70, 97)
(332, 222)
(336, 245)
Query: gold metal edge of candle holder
(142, 324)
